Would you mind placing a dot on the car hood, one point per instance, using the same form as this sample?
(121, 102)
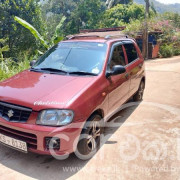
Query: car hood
(40, 91)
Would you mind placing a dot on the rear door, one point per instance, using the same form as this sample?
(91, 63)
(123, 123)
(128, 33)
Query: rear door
(118, 85)
(134, 67)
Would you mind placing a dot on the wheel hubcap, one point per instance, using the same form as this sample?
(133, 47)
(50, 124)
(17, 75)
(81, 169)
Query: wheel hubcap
(93, 136)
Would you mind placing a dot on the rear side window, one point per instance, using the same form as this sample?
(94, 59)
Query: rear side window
(117, 57)
(131, 52)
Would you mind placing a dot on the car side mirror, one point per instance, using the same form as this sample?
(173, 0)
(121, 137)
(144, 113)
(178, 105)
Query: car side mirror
(118, 69)
(32, 63)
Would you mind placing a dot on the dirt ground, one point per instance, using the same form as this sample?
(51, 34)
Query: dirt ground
(145, 144)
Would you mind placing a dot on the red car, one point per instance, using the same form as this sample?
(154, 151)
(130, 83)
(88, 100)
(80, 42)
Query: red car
(68, 93)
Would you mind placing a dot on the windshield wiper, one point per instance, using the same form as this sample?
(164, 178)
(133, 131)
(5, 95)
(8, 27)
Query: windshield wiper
(52, 70)
(83, 73)
(49, 69)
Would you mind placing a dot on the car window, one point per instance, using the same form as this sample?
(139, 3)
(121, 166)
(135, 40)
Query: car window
(74, 56)
(117, 57)
(131, 52)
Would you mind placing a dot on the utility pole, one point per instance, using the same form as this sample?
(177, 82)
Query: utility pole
(145, 31)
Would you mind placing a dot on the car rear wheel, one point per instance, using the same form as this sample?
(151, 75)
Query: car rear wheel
(90, 138)
(139, 94)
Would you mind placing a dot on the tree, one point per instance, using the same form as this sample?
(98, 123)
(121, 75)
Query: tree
(19, 39)
(121, 15)
(34, 32)
(173, 17)
(3, 48)
(86, 16)
(54, 40)
(112, 3)
(53, 11)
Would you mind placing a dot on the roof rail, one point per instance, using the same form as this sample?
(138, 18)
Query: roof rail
(115, 36)
(107, 37)
(81, 36)
(121, 28)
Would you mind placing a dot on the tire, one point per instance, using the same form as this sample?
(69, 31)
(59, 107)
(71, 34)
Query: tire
(90, 138)
(139, 94)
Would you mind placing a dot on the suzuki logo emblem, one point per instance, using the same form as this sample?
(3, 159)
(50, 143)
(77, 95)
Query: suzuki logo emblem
(10, 113)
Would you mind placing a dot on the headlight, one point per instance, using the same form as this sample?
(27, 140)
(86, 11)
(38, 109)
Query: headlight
(55, 117)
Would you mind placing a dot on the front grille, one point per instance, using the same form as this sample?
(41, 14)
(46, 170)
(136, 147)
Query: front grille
(14, 113)
(30, 139)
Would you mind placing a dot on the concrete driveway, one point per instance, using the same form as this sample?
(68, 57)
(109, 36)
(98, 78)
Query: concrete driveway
(144, 145)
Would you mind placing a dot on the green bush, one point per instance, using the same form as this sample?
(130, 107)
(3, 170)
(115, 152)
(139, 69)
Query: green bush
(166, 50)
(9, 67)
(176, 51)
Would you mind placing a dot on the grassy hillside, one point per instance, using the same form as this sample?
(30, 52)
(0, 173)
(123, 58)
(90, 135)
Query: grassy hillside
(160, 7)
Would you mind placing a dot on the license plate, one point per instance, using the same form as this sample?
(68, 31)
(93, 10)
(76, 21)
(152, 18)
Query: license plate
(14, 143)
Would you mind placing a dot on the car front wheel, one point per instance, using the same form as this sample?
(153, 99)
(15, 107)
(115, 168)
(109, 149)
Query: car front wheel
(90, 138)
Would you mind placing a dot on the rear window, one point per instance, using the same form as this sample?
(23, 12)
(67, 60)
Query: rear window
(131, 52)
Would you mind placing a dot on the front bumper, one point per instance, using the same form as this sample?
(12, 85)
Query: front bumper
(34, 135)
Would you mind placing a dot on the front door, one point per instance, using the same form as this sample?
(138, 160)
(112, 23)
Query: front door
(118, 85)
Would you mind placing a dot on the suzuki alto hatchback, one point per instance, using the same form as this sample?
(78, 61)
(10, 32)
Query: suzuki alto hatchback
(62, 102)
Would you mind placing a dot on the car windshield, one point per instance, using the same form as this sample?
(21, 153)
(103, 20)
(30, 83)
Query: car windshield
(74, 57)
